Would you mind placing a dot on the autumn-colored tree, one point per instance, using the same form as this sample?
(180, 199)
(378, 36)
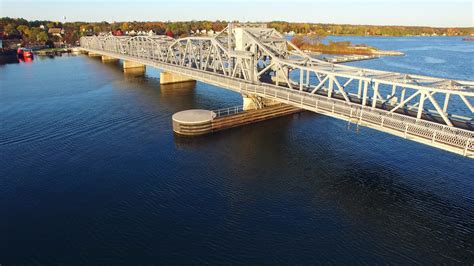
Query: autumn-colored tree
(10, 30)
(125, 26)
(297, 41)
(30, 31)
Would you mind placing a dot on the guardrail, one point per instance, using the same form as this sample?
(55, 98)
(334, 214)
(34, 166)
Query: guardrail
(228, 111)
(433, 134)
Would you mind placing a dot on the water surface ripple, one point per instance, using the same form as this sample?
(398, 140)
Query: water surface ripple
(90, 173)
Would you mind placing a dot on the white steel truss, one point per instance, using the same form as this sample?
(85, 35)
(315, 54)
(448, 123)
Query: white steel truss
(260, 56)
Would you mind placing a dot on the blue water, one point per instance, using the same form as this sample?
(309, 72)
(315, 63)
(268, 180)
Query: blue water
(444, 57)
(91, 173)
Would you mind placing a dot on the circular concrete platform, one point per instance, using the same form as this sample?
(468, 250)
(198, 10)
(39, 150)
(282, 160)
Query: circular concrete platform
(193, 122)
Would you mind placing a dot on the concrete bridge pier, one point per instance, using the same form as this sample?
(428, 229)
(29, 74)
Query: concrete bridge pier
(198, 122)
(171, 78)
(253, 102)
(131, 66)
(106, 58)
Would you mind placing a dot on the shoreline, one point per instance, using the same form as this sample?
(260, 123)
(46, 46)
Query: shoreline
(349, 50)
(56, 51)
(355, 52)
(315, 44)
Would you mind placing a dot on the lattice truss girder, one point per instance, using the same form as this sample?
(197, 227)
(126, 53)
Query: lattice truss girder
(266, 56)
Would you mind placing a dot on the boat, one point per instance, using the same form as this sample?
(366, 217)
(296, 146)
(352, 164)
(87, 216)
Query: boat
(24, 52)
(468, 38)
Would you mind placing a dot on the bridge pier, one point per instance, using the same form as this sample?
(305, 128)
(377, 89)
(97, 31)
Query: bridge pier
(171, 78)
(106, 58)
(199, 122)
(252, 102)
(133, 67)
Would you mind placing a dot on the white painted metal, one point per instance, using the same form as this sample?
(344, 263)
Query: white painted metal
(389, 101)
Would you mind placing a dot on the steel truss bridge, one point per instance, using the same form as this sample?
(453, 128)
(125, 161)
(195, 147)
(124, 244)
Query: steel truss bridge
(259, 62)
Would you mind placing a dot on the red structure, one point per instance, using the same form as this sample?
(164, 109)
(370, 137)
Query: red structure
(118, 32)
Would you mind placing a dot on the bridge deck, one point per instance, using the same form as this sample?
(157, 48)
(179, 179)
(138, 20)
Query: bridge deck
(452, 139)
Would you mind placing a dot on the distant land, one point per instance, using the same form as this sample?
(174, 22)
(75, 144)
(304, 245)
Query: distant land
(54, 32)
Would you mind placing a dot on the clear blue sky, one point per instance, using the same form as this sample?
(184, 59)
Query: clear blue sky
(443, 13)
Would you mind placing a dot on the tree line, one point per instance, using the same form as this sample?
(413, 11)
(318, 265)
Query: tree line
(364, 30)
(34, 32)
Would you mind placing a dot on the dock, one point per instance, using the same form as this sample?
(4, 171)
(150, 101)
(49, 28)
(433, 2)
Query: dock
(58, 51)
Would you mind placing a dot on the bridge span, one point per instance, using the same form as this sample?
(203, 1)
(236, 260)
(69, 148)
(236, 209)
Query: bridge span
(259, 63)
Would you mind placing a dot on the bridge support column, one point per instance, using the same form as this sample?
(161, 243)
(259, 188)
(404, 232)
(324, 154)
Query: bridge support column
(106, 58)
(171, 78)
(133, 66)
(252, 102)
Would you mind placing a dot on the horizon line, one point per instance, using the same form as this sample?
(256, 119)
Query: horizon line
(238, 21)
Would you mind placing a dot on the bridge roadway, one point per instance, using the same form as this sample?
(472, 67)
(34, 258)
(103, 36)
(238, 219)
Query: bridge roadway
(210, 60)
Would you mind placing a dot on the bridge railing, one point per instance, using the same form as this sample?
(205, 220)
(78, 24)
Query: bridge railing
(228, 111)
(405, 126)
(416, 128)
(425, 96)
(427, 132)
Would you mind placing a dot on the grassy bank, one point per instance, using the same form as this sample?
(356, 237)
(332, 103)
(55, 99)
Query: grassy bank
(310, 44)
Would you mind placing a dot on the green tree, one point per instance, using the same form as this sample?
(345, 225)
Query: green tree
(33, 34)
(51, 25)
(42, 37)
(97, 29)
(22, 28)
